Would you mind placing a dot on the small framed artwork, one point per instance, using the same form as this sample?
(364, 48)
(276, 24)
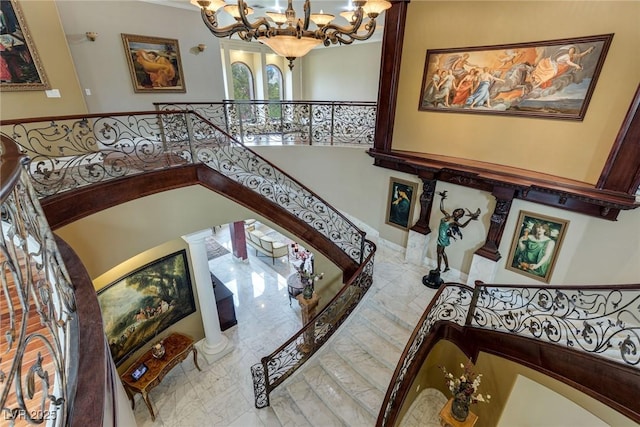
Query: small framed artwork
(137, 307)
(552, 79)
(154, 64)
(536, 245)
(400, 204)
(20, 66)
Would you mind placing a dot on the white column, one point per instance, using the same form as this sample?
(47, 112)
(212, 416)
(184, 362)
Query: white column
(215, 344)
(417, 244)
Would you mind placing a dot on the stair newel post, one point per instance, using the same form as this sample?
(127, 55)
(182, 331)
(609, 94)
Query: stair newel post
(188, 117)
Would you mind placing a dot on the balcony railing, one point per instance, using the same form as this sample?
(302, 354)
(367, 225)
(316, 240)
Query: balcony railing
(76, 151)
(289, 122)
(38, 322)
(599, 321)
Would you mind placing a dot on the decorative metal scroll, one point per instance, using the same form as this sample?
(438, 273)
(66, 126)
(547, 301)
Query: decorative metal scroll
(38, 326)
(282, 363)
(289, 122)
(605, 322)
(451, 305)
(235, 161)
(71, 153)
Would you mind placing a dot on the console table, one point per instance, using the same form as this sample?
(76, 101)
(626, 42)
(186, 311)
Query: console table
(177, 348)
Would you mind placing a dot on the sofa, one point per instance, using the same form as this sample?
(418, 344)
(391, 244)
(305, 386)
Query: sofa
(265, 244)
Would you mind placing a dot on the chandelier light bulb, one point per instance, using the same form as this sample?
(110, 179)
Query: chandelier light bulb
(295, 39)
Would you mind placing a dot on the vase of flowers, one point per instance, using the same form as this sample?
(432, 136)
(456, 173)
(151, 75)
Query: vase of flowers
(465, 391)
(306, 275)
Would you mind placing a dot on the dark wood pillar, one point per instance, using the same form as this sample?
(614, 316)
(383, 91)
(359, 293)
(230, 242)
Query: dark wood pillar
(392, 39)
(504, 196)
(238, 240)
(426, 201)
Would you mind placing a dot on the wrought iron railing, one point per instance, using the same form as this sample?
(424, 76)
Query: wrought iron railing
(288, 122)
(74, 151)
(602, 321)
(38, 325)
(71, 152)
(282, 363)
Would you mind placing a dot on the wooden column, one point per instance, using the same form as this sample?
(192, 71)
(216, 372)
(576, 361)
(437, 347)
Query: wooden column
(308, 307)
(238, 240)
(504, 197)
(426, 201)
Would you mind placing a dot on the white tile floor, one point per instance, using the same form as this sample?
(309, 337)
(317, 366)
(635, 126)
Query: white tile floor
(222, 394)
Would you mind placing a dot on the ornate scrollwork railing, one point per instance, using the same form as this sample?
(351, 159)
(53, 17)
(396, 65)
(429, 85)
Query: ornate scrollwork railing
(283, 362)
(38, 326)
(602, 321)
(451, 304)
(71, 152)
(286, 122)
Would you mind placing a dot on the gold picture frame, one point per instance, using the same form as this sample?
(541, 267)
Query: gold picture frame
(20, 65)
(552, 79)
(536, 244)
(154, 64)
(401, 203)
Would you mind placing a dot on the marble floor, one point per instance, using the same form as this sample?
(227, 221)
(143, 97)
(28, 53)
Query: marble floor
(222, 394)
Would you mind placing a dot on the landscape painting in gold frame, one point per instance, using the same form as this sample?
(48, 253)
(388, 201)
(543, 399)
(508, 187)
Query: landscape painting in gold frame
(552, 79)
(20, 66)
(154, 64)
(536, 245)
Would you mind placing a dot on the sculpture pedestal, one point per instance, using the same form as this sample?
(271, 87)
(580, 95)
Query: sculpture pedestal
(433, 280)
(447, 420)
(308, 307)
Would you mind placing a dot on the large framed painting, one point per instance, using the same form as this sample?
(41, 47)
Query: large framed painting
(536, 245)
(400, 203)
(20, 66)
(154, 64)
(548, 79)
(137, 307)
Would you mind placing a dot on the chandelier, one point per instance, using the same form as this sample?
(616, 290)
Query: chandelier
(290, 37)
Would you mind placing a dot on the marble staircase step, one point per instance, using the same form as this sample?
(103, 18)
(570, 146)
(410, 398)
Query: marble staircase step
(388, 327)
(350, 412)
(311, 405)
(352, 382)
(366, 364)
(378, 345)
(287, 411)
(398, 309)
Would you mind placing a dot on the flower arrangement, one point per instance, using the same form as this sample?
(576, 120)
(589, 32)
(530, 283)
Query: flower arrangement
(466, 385)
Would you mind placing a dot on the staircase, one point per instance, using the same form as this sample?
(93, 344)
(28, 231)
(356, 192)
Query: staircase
(345, 382)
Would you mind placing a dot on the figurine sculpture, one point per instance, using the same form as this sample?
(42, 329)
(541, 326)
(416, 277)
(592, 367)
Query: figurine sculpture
(449, 229)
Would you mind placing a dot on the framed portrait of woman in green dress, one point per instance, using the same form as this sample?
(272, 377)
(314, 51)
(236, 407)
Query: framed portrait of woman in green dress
(536, 245)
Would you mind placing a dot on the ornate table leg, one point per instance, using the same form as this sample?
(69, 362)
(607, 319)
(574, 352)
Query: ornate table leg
(195, 358)
(145, 397)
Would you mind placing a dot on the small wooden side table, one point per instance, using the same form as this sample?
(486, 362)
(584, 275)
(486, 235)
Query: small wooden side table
(447, 420)
(177, 348)
(308, 307)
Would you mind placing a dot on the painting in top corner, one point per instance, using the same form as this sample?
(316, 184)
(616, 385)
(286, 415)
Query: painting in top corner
(552, 79)
(20, 66)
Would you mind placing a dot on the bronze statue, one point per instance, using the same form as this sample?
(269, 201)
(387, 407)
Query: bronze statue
(449, 229)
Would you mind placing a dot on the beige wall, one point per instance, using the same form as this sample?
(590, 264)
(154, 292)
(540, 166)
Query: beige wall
(498, 379)
(575, 150)
(347, 73)
(45, 28)
(594, 251)
(102, 66)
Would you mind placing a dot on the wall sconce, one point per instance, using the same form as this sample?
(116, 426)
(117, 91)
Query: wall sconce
(201, 47)
(91, 35)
